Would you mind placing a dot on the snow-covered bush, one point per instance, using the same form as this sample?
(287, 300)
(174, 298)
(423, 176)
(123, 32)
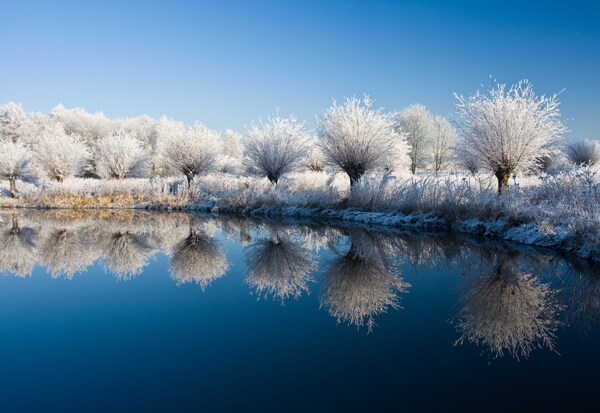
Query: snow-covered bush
(120, 156)
(315, 160)
(358, 139)
(583, 152)
(60, 155)
(15, 163)
(275, 148)
(416, 123)
(194, 152)
(507, 131)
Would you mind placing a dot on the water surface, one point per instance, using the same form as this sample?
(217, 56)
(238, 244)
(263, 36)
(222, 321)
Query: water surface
(175, 312)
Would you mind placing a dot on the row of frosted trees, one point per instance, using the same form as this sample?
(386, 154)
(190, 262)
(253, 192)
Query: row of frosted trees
(504, 131)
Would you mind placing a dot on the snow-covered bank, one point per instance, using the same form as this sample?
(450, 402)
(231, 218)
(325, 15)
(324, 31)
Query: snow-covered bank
(559, 211)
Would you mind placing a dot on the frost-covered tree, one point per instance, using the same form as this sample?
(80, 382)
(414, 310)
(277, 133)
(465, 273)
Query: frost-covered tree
(165, 130)
(195, 151)
(357, 138)
(279, 266)
(15, 163)
(315, 160)
(120, 156)
(443, 136)
(276, 147)
(232, 152)
(60, 155)
(65, 252)
(231, 144)
(89, 127)
(583, 152)
(416, 123)
(18, 126)
(508, 130)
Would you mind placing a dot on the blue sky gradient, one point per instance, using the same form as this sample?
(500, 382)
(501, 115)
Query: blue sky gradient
(225, 63)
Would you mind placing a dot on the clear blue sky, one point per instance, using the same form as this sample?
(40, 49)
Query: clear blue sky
(226, 62)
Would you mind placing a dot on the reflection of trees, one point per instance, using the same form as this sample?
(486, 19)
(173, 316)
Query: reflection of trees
(65, 252)
(508, 310)
(363, 282)
(126, 254)
(17, 249)
(198, 258)
(279, 266)
(583, 294)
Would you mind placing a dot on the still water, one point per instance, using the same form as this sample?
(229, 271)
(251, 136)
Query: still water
(176, 312)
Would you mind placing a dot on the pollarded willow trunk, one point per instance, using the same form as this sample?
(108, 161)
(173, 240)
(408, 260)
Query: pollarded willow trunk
(60, 179)
(273, 178)
(502, 174)
(15, 224)
(355, 172)
(190, 178)
(13, 187)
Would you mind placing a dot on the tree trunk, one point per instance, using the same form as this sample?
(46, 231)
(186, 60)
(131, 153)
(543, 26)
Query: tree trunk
(13, 187)
(60, 179)
(273, 178)
(189, 177)
(502, 174)
(355, 173)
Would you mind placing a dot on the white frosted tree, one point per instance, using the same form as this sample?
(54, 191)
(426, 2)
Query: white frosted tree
(15, 163)
(508, 130)
(583, 152)
(120, 156)
(89, 127)
(195, 151)
(276, 147)
(416, 123)
(60, 155)
(232, 152)
(165, 130)
(357, 138)
(442, 138)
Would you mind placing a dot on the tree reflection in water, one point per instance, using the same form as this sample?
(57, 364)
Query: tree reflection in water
(65, 252)
(18, 248)
(279, 266)
(126, 254)
(198, 258)
(508, 310)
(363, 282)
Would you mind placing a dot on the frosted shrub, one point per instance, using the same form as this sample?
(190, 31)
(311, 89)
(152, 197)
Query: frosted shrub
(15, 163)
(194, 152)
(507, 131)
(275, 148)
(584, 152)
(120, 156)
(358, 139)
(60, 155)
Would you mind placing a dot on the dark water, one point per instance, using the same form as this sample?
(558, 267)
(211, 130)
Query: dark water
(156, 312)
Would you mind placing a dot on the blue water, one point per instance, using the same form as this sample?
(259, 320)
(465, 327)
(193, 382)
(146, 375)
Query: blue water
(113, 337)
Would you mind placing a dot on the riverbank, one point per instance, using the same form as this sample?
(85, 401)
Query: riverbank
(556, 211)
